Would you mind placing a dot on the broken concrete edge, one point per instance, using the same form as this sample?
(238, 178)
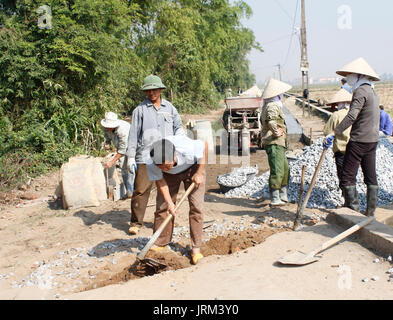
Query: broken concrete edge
(376, 235)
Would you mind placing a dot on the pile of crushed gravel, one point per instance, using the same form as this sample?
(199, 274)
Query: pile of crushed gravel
(237, 177)
(326, 192)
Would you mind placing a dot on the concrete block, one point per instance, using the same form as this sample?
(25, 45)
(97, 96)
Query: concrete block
(375, 235)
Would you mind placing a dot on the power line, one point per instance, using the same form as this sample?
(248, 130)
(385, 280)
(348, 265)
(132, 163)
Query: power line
(277, 39)
(293, 27)
(282, 8)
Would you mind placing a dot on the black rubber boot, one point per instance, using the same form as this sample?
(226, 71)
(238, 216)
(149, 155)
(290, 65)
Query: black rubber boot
(372, 200)
(345, 198)
(351, 198)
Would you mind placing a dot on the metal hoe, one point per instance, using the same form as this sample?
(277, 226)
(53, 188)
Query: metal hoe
(300, 258)
(149, 261)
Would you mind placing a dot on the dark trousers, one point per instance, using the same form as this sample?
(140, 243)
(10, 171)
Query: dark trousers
(363, 154)
(339, 158)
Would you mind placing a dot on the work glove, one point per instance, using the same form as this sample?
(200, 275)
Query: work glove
(328, 141)
(131, 164)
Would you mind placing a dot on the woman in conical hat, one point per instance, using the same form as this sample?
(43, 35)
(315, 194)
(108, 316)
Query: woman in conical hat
(274, 134)
(341, 100)
(363, 116)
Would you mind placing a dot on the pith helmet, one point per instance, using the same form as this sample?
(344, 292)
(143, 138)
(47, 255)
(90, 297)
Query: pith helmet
(274, 88)
(340, 96)
(152, 82)
(110, 120)
(359, 66)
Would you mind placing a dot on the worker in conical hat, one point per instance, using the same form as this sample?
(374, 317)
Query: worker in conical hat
(363, 116)
(341, 100)
(274, 140)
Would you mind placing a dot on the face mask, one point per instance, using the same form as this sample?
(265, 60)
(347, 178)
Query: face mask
(352, 79)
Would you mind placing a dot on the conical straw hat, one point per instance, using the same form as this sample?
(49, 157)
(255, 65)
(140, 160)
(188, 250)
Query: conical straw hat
(274, 88)
(340, 96)
(359, 66)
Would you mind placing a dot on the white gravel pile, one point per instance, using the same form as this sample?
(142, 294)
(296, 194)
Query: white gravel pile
(326, 192)
(237, 177)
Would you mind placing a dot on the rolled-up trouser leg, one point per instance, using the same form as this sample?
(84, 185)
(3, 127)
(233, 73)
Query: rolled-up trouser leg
(279, 168)
(140, 196)
(162, 210)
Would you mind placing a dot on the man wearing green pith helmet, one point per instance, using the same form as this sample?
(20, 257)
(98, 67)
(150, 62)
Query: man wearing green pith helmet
(154, 119)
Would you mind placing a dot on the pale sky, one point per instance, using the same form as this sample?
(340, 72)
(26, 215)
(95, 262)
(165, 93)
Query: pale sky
(334, 38)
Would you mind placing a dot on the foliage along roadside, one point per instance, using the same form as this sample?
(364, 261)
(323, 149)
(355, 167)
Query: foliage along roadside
(56, 83)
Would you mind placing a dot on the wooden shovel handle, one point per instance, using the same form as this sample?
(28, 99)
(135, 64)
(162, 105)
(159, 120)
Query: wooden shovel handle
(342, 235)
(299, 213)
(156, 234)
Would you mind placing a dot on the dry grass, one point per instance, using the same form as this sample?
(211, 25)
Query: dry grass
(383, 89)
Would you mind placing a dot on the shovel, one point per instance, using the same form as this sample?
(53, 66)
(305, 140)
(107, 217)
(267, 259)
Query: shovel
(149, 261)
(300, 258)
(300, 210)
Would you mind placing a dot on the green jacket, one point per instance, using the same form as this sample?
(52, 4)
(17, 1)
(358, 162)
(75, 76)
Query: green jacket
(272, 118)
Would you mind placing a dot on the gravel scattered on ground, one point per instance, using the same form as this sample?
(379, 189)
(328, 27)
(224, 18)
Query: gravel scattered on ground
(326, 192)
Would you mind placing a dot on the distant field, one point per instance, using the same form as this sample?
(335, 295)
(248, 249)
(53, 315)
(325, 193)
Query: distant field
(325, 92)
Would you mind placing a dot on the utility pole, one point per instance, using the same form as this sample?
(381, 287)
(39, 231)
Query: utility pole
(304, 60)
(279, 70)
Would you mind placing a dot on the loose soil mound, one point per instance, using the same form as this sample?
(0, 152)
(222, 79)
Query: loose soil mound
(235, 242)
(129, 268)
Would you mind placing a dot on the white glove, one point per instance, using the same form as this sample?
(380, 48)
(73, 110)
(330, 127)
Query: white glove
(130, 163)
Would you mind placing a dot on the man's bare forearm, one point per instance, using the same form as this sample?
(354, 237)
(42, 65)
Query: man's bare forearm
(202, 162)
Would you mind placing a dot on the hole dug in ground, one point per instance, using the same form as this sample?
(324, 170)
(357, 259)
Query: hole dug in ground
(128, 268)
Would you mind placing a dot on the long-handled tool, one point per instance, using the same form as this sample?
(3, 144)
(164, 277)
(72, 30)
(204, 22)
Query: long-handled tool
(141, 256)
(300, 258)
(299, 213)
(299, 203)
(109, 189)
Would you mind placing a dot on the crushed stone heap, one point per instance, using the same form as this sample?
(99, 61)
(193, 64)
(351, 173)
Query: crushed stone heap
(326, 192)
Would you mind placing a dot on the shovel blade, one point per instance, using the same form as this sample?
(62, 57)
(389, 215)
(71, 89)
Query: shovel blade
(298, 258)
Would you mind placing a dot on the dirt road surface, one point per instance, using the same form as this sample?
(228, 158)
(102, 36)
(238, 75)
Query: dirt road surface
(51, 253)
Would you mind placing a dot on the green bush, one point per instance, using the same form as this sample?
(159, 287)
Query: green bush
(56, 83)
